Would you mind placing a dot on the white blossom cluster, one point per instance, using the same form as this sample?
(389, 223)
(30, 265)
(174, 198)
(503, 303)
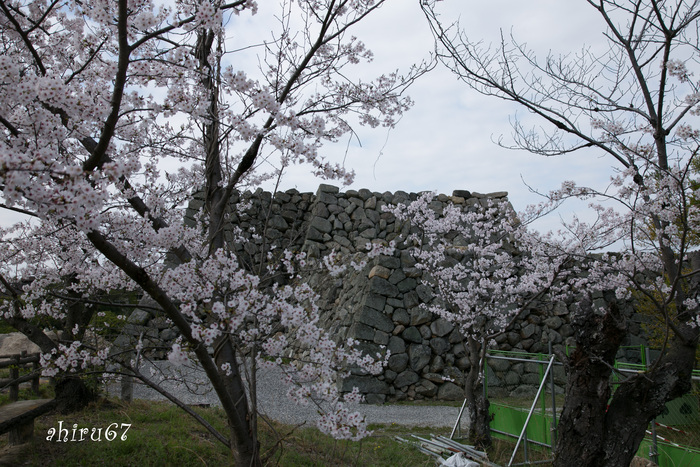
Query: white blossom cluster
(102, 109)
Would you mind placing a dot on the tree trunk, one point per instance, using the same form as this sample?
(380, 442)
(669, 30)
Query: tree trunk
(580, 432)
(246, 449)
(73, 394)
(591, 433)
(477, 403)
(636, 403)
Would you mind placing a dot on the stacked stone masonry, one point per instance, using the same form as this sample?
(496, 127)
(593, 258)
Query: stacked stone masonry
(381, 304)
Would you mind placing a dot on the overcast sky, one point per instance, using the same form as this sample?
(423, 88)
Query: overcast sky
(446, 141)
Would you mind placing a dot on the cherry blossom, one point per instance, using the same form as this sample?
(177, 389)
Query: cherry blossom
(113, 113)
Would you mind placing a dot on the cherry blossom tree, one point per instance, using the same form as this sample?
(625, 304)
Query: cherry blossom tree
(112, 113)
(488, 269)
(636, 104)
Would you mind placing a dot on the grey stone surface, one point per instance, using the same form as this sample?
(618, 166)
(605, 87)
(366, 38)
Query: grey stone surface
(450, 392)
(406, 378)
(441, 327)
(385, 302)
(366, 384)
(398, 362)
(376, 319)
(419, 356)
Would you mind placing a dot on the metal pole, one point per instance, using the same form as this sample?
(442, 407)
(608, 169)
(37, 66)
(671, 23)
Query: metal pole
(654, 449)
(459, 418)
(527, 461)
(554, 403)
(532, 409)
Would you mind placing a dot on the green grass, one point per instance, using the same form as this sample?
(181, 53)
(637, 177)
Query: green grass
(161, 434)
(5, 328)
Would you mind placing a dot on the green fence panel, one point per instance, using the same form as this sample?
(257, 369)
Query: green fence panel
(511, 420)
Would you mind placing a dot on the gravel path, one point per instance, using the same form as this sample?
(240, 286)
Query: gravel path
(274, 403)
(271, 394)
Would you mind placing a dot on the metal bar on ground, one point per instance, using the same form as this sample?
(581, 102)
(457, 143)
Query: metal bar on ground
(463, 447)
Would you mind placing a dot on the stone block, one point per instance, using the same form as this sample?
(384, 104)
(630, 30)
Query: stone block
(383, 287)
(401, 316)
(512, 378)
(434, 377)
(326, 188)
(312, 234)
(406, 285)
(369, 233)
(499, 364)
(419, 356)
(376, 319)
(532, 379)
(321, 224)
(375, 301)
(371, 203)
(459, 350)
(379, 271)
(278, 222)
(463, 363)
(396, 345)
(439, 345)
(462, 194)
(376, 399)
(425, 293)
(381, 338)
(397, 276)
(320, 210)
(523, 391)
(441, 327)
(455, 336)
(566, 331)
(168, 334)
(528, 331)
(437, 365)
(370, 348)
(412, 334)
(406, 378)
(410, 299)
(427, 389)
(450, 392)
(160, 323)
(362, 331)
(365, 383)
(390, 262)
(139, 316)
(398, 362)
(420, 316)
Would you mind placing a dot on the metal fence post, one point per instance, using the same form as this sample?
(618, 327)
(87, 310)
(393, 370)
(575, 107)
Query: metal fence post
(654, 448)
(552, 387)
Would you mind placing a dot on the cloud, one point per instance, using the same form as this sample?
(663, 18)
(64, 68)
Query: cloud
(447, 140)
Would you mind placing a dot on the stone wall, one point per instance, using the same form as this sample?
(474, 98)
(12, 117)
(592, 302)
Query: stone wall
(380, 305)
